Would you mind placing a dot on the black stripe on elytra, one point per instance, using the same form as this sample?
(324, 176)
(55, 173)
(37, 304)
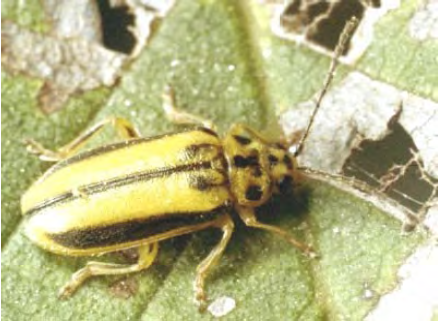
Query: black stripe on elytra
(103, 186)
(96, 152)
(120, 233)
(49, 202)
(114, 147)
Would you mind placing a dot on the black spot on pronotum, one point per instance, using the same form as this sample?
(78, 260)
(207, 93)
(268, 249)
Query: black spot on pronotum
(273, 160)
(242, 140)
(256, 171)
(241, 162)
(254, 193)
(288, 162)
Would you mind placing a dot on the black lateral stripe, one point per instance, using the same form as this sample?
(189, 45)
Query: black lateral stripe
(102, 186)
(134, 230)
(114, 147)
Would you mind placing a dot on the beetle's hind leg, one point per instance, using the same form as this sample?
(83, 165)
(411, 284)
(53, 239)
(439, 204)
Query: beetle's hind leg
(147, 254)
(124, 128)
(180, 117)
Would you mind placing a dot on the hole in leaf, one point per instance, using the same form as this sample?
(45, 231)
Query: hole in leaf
(374, 160)
(322, 22)
(115, 23)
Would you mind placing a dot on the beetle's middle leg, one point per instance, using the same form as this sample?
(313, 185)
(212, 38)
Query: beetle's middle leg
(147, 254)
(124, 128)
(178, 116)
(203, 269)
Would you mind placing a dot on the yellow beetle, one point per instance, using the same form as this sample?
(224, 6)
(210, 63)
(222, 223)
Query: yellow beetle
(138, 192)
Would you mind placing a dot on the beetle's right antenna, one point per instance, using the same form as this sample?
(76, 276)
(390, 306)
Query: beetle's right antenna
(345, 36)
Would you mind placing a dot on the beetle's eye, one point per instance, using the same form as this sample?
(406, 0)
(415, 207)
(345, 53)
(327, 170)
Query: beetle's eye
(285, 184)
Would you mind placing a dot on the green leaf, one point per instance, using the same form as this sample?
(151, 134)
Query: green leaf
(211, 52)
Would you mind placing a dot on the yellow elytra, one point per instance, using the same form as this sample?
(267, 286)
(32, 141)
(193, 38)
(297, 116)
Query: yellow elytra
(138, 192)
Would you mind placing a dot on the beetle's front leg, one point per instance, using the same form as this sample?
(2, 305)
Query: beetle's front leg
(178, 116)
(124, 128)
(247, 214)
(147, 254)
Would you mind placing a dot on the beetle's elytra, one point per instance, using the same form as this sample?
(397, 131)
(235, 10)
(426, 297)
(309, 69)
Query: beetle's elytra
(138, 192)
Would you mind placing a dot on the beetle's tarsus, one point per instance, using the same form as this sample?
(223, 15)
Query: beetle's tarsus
(65, 292)
(35, 148)
(310, 253)
(201, 300)
(175, 115)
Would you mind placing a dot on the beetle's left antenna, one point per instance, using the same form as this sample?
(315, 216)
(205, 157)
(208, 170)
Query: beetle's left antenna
(345, 36)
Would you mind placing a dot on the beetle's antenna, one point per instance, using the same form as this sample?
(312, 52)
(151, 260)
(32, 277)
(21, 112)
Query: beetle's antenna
(345, 36)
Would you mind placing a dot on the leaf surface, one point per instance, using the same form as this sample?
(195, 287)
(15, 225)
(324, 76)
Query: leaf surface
(225, 65)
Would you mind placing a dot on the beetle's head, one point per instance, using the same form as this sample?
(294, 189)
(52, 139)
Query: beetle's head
(282, 165)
